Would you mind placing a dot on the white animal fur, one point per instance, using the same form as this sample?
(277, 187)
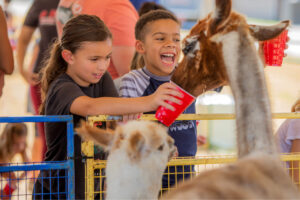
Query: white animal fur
(139, 152)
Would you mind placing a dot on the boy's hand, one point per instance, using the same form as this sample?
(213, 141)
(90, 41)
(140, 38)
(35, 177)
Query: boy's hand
(166, 91)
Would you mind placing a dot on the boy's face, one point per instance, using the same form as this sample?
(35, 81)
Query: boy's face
(161, 46)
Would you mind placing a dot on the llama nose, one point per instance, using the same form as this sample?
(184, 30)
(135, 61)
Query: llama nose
(189, 47)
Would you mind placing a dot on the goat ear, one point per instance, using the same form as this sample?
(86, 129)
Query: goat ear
(136, 145)
(221, 13)
(262, 33)
(101, 137)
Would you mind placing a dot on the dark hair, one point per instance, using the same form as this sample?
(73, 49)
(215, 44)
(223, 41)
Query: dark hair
(7, 138)
(148, 6)
(151, 16)
(79, 29)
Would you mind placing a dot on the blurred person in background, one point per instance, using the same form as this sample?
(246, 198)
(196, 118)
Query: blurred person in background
(6, 54)
(288, 139)
(13, 141)
(138, 3)
(119, 16)
(41, 15)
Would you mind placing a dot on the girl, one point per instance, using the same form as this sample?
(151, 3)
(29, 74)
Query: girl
(75, 82)
(12, 142)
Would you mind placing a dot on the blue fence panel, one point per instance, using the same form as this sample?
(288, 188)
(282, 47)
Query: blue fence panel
(59, 172)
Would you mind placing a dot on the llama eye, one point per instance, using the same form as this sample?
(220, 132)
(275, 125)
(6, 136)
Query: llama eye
(161, 147)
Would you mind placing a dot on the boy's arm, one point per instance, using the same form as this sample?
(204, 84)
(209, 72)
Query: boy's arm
(128, 89)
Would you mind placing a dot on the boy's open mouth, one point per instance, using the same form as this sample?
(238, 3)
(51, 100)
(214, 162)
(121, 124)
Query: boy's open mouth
(168, 58)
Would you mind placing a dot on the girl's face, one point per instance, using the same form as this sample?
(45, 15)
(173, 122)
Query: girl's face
(19, 144)
(161, 46)
(88, 64)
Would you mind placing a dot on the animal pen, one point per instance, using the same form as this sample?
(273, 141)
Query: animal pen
(95, 169)
(26, 174)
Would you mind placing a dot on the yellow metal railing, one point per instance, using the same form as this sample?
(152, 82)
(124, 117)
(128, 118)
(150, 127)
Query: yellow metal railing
(193, 117)
(94, 168)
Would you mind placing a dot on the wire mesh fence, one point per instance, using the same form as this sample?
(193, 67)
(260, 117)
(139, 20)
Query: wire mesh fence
(39, 180)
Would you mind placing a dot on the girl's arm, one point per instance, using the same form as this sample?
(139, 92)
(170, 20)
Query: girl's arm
(294, 165)
(25, 156)
(84, 105)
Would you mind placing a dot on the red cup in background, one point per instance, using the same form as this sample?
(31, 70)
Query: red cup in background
(166, 116)
(274, 49)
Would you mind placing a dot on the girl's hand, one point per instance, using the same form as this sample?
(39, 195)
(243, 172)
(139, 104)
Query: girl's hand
(201, 140)
(131, 117)
(166, 91)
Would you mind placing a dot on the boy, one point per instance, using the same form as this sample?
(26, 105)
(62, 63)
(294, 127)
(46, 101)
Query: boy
(158, 41)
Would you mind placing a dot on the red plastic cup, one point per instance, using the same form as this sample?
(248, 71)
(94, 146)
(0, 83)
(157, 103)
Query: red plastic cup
(166, 116)
(274, 49)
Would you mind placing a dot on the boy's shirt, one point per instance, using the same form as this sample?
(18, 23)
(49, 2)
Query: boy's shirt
(141, 82)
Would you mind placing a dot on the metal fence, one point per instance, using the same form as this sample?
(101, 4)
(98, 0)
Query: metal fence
(17, 179)
(178, 169)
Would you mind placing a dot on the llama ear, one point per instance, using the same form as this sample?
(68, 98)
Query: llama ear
(101, 137)
(220, 14)
(136, 145)
(262, 33)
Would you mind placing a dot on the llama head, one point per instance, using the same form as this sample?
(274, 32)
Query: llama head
(205, 58)
(138, 153)
(136, 140)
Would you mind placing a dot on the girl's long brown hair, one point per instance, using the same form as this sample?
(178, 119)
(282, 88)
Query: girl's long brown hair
(82, 28)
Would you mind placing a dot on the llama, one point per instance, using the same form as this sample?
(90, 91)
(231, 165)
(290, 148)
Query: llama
(203, 65)
(220, 50)
(138, 154)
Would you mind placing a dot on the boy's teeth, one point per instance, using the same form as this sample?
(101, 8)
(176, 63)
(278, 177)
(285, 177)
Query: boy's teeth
(169, 55)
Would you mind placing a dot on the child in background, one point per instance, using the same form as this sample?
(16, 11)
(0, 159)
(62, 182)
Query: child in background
(75, 82)
(12, 142)
(288, 138)
(158, 41)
